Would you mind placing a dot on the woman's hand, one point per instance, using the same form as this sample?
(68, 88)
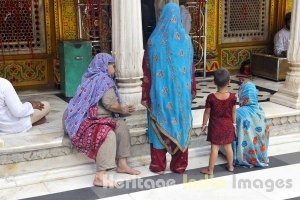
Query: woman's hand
(127, 109)
(37, 105)
(204, 129)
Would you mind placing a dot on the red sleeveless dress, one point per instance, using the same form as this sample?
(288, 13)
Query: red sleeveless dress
(220, 128)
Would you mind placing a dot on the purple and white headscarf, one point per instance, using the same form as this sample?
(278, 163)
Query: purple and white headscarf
(95, 82)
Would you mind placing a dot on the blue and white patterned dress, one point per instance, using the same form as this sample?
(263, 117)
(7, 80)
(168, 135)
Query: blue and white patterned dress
(251, 146)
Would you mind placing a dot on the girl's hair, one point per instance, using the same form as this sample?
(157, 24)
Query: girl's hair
(221, 77)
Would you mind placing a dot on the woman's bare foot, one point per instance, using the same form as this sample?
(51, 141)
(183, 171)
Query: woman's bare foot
(101, 180)
(230, 168)
(206, 171)
(267, 160)
(127, 170)
(124, 168)
(161, 172)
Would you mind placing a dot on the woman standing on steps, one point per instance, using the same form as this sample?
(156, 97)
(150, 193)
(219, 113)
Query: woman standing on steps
(90, 123)
(167, 91)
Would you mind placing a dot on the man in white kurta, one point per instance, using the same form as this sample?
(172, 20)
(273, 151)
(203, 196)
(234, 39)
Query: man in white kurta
(15, 116)
(281, 39)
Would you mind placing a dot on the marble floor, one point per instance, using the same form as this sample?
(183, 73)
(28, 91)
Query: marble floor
(76, 182)
(206, 86)
(278, 181)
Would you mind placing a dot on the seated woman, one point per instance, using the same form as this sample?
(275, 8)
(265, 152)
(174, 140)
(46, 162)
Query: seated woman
(91, 122)
(15, 116)
(251, 145)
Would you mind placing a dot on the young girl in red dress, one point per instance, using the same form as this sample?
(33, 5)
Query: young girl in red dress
(220, 111)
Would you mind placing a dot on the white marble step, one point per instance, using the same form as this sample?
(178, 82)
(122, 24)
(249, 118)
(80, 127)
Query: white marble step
(26, 147)
(16, 143)
(33, 173)
(21, 143)
(48, 141)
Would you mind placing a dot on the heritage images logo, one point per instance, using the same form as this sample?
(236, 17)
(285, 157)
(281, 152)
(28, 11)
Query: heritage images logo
(207, 182)
(151, 183)
(267, 184)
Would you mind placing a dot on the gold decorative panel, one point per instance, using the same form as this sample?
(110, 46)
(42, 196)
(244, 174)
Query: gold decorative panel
(25, 72)
(233, 57)
(212, 23)
(68, 20)
(289, 6)
(212, 65)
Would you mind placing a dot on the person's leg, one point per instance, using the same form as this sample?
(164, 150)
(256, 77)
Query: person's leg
(123, 148)
(212, 160)
(179, 161)
(229, 157)
(158, 160)
(105, 160)
(40, 114)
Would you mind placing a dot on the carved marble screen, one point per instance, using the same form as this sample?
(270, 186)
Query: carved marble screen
(22, 28)
(245, 20)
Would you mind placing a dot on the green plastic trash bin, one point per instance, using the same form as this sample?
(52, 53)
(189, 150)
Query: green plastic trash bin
(75, 57)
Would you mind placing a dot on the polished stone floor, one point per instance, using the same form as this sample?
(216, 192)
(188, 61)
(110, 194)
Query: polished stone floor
(207, 86)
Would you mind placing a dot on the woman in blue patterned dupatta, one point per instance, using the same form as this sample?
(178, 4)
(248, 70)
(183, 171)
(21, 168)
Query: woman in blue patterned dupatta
(250, 148)
(170, 55)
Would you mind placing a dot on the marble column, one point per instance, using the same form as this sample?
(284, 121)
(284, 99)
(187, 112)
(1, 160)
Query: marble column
(127, 48)
(289, 93)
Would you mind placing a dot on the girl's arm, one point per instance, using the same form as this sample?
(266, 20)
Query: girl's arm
(205, 118)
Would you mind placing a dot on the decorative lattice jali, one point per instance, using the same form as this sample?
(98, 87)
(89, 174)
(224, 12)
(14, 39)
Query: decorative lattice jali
(22, 26)
(245, 20)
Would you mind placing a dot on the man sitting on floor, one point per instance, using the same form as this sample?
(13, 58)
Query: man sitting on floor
(281, 39)
(15, 116)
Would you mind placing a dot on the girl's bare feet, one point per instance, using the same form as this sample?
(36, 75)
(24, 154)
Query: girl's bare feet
(101, 180)
(206, 171)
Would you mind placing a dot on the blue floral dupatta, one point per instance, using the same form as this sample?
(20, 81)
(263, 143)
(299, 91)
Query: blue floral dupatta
(250, 148)
(170, 55)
